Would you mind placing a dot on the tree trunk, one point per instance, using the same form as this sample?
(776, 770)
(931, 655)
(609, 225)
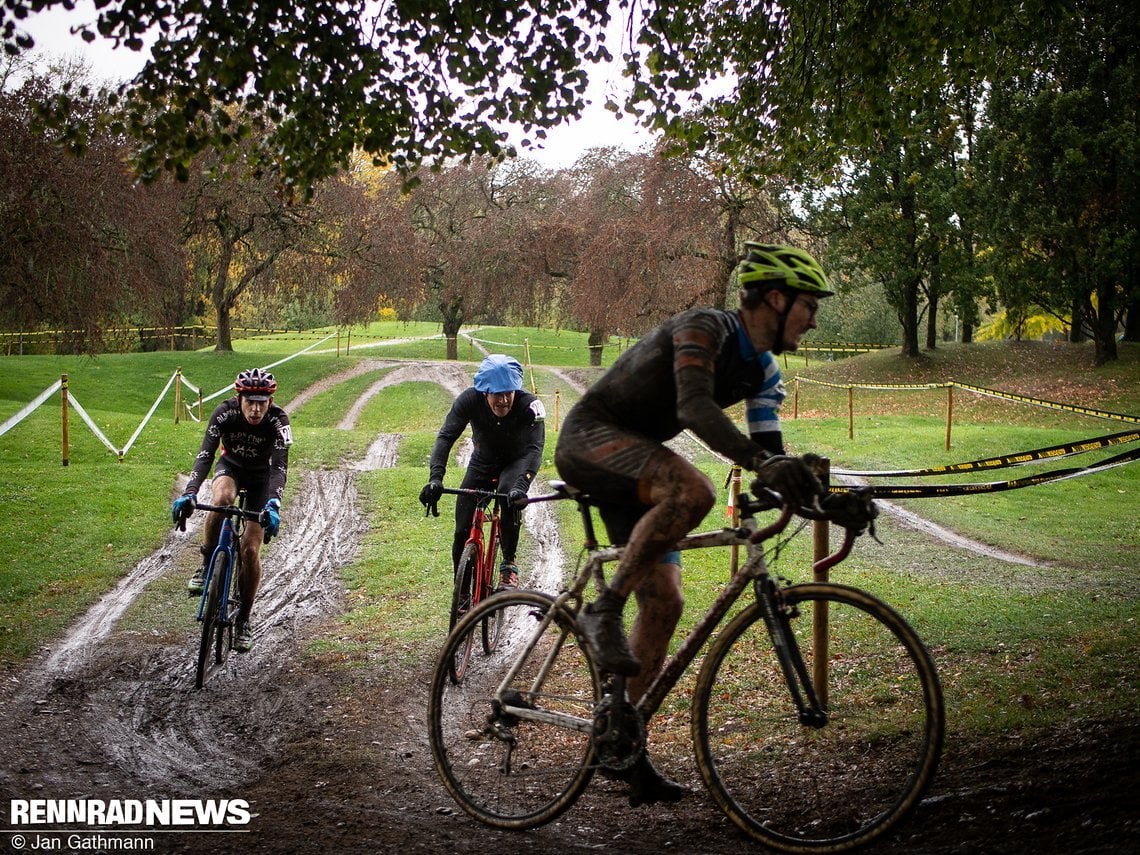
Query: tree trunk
(1077, 328)
(932, 325)
(221, 301)
(1104, 324)
(913, 285)
(1132, 320)
(908, 316)
(225, 341)
(452, 314)
(595, 343)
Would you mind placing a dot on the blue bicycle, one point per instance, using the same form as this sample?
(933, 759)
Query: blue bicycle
(221, 599)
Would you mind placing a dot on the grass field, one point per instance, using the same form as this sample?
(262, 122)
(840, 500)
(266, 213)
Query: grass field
(1019, 646)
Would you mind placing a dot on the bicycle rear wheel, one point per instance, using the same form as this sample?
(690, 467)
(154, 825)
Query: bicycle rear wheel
(506, 771)
(798, 788)
(217, 634)
(461, 604)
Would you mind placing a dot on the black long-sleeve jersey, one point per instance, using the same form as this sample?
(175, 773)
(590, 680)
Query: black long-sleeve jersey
(512, 444)
(258, 450)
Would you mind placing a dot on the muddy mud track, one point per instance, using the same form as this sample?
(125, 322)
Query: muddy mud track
(101, 712)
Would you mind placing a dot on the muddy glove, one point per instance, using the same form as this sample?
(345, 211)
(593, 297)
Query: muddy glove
(431, 492)
(270, 518)
(789, 476)
(852, 509)
(181, 510)
(517, 498)
(429, 496)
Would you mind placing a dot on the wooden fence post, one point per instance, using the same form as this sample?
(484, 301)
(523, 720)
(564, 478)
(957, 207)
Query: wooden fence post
(63, 398)
(821, 548)
(949, 411)
(850, 412)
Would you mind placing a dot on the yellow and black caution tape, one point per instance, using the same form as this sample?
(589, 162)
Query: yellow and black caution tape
(980, 390)
(906, 491)
(881, 386)
(1054, 452)
(1052, 405)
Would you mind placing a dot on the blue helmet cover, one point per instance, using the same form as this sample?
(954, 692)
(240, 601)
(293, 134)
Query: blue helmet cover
(499, 373)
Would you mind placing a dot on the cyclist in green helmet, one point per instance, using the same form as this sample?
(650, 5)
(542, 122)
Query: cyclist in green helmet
(681, 376)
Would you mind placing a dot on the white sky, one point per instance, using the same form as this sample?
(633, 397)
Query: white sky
(563, 145)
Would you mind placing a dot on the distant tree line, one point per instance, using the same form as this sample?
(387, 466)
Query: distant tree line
(963, 159)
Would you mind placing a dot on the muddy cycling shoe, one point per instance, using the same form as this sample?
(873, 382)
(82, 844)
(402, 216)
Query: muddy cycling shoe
(604, 636)
(197, 583)
(243, 637)
(508, 577)
(647, 786)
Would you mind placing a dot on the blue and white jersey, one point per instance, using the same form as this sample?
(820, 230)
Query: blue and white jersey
(763, 410)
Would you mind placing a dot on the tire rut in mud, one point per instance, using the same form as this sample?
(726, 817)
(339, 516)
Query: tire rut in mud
(93, 716)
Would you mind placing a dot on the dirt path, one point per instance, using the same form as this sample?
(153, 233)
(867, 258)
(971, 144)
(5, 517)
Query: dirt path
(337, 761)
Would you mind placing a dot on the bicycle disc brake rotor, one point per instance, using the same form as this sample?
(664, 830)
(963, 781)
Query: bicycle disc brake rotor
(619, 735)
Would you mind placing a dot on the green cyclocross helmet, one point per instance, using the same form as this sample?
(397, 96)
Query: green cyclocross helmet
(773, 266)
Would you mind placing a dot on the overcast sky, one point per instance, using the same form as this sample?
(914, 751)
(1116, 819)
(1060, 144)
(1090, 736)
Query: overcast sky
(563, 145)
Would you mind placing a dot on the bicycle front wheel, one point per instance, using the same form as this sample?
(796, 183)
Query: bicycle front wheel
(216, 633)
(799, 788)
(461, 604)
(506, 770)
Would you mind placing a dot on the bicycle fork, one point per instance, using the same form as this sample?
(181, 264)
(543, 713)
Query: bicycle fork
(778, 620)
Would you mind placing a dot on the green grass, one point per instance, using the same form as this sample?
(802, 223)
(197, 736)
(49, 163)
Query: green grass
(1020, 647)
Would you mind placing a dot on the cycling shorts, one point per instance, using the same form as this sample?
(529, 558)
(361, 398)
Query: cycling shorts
(608, 463)
(255, 482)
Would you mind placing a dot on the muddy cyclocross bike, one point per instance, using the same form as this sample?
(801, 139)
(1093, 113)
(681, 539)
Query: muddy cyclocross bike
(221, 599)
(474, 577)
(817, 716)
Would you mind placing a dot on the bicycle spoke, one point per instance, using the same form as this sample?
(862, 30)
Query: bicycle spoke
(799, 788)
(506, 771)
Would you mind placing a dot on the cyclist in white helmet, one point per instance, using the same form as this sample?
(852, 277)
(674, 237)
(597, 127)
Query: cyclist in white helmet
(255, 435)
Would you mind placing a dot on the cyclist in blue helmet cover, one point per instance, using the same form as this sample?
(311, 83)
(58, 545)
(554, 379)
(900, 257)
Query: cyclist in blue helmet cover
(508, 429)
(254, 435)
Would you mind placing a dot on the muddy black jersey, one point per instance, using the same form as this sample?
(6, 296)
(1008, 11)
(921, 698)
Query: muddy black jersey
(261, 450)
(682, 375)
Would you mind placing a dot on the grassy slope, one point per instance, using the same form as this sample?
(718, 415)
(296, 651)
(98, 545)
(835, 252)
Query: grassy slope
(1017, 646)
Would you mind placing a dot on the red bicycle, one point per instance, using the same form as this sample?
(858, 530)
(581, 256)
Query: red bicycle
(474, 580)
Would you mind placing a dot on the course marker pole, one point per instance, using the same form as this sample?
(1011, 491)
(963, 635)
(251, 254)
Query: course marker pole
(63, 398)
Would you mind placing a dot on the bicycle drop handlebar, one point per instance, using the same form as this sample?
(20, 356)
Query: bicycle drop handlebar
(481, 495)
(228, 510)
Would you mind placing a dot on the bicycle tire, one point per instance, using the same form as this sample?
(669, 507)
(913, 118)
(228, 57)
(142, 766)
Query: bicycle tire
(801, 789)
(461, 604)
(492, 627)
(506, 772)
(213, 631)
(225, 640)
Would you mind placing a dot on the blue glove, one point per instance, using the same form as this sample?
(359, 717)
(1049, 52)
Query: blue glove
(270, 518)
(181, 510)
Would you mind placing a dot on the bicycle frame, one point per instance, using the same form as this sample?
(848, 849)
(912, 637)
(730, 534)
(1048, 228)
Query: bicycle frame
(753, 570)
(229, 535)
(485, 547)
(234, 518)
